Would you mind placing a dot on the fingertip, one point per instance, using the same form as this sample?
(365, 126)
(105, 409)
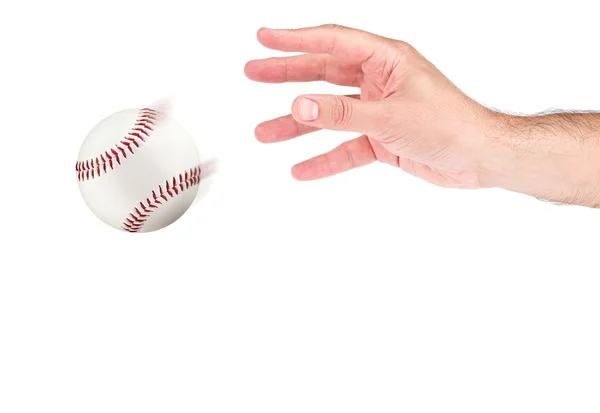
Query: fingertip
(312, 97)
(294, 107)
(262, 134)
(305, 171)
(305, 109)
(248, 68)
(298, 173)
(260, 33)
(270, 38)
(257, 71)
(264, 29)
(258, 132)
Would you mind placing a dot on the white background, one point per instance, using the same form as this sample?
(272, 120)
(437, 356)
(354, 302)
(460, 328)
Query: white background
(370, 291)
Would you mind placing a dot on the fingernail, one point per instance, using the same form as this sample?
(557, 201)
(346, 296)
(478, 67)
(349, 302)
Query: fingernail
(308, 110)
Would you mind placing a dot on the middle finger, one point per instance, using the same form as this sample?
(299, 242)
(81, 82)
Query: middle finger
(304, 68)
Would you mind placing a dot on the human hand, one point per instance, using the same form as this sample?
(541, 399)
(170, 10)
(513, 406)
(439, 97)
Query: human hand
(408, 113)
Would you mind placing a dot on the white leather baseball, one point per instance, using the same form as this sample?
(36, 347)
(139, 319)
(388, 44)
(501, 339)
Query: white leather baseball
(138, 170)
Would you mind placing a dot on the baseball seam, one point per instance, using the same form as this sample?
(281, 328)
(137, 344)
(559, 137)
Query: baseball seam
(101, 164)
(136, 219)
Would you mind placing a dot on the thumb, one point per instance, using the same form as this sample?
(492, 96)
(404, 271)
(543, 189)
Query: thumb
(340, 113)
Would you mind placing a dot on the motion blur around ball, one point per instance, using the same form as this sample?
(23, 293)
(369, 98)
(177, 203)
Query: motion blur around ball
(138, 170)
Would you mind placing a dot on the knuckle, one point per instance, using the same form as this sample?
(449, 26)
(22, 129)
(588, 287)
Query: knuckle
(341, 111)
(348, 152)
(404, 47)
(329, 164)
(286, 70)
(404, 51)
(333, 26)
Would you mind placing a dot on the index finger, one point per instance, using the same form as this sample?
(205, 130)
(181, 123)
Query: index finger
(339, 41)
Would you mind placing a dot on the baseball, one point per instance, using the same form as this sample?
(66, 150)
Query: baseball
(138, 170)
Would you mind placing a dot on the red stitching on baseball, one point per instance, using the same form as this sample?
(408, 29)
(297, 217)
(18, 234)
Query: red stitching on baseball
(94, 167)
(171, 188)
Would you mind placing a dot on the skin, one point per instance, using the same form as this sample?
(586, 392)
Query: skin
(407, 114)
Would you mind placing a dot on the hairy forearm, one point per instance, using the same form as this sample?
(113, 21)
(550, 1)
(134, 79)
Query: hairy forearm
(554, 156)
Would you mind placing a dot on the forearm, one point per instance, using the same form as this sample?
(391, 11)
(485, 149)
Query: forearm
(555, 157)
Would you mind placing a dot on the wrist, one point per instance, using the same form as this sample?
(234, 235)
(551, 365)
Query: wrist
(543, 156)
